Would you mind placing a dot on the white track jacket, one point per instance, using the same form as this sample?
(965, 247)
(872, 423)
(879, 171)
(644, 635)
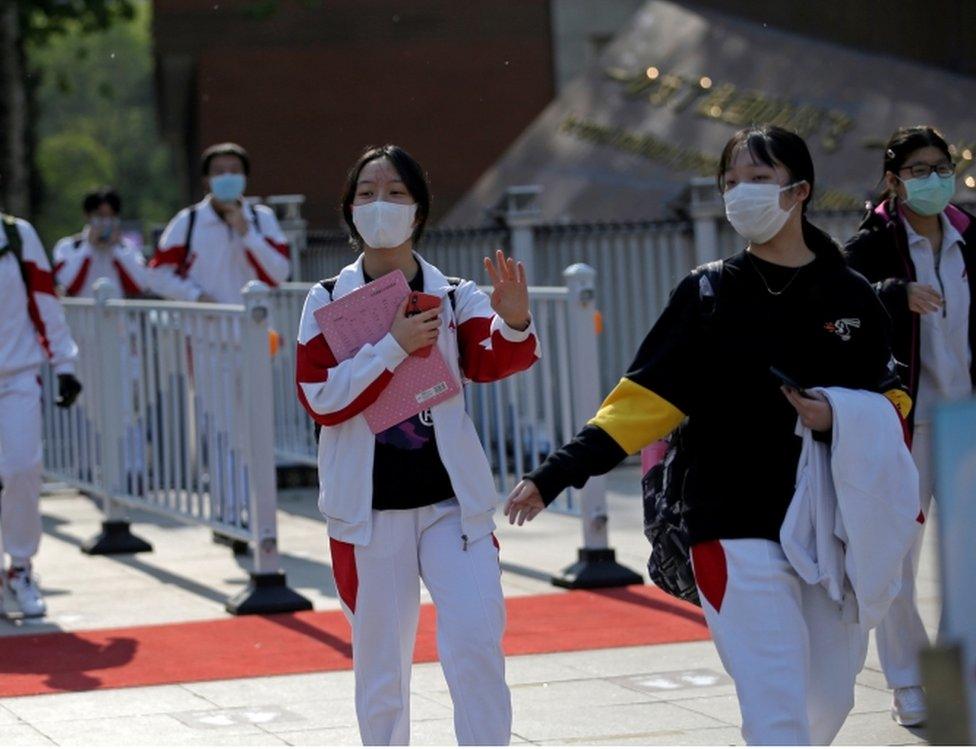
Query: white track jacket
(477, 345)
(856, 512)
(78, 265)
(32, 325)
(216, 260)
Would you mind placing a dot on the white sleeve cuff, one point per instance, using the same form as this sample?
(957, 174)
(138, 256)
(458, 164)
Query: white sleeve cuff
(65, 367)
(509, 333)
(389, 352)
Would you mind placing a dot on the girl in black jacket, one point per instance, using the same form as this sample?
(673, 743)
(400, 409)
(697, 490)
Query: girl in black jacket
(919, 251)
(788, 301)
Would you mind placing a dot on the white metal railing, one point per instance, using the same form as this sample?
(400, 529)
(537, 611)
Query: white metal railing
(520, 420)
(175, 419)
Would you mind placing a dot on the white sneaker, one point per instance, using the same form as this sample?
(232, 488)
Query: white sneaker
(25, 593)
(908, 706)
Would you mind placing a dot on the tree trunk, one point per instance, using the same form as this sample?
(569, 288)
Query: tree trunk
(15, 184)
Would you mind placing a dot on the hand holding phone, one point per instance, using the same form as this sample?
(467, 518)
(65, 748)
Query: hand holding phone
(788, 381)
(417, 303)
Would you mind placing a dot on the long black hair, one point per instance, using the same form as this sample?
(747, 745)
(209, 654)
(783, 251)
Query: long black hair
(904, 142)
(775, 146)
(413, 178)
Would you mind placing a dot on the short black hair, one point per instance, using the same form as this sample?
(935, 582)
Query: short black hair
(410, 172)
(224, 149)
(99, 196)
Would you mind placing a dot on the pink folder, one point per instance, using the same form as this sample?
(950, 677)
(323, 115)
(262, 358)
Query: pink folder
(364, 317)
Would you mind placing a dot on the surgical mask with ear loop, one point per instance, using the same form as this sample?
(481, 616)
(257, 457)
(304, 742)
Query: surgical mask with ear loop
(929, 196)
(382, 224)
(754, 212)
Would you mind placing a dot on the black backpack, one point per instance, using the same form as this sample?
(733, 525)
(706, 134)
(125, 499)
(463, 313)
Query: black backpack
(664, 485)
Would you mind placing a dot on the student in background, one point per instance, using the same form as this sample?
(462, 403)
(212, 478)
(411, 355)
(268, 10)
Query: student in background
(99, 251)
(919, 251)
(32, 331)
(209, 251)
(416, 501)
(790, 302)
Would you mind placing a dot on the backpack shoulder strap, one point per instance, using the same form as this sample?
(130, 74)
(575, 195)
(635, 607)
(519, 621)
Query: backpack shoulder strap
(329, 285)
(254, 218)
(709, 283)
(454, 281)
(190, 222)
(15, 243)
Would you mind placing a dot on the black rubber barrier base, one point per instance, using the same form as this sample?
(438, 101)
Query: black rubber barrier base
(596, 568)
(237, 546)
(115, 538)
(267, 594)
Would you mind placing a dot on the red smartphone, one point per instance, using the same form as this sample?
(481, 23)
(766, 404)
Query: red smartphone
(419, 302)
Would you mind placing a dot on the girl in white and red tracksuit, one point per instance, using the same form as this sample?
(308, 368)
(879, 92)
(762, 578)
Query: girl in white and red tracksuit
(414, 502)
(787, 302)
(32, 331)
(919, 251)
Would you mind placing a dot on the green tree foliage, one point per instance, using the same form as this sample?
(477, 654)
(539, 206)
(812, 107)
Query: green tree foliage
(96, 120)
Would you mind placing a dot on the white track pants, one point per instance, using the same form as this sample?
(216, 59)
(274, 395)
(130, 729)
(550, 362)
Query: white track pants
(901, 635)
(20, 464)
(784, 642)
(379, 586)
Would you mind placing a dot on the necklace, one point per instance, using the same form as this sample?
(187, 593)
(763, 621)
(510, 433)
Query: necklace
(766, 283)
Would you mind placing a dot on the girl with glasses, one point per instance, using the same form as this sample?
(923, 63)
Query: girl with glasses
(919, 251)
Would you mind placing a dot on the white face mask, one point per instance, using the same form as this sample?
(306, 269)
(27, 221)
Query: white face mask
(753, 210)
(383, 224)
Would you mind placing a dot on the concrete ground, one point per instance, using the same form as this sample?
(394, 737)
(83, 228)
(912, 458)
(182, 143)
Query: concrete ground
(674, 694)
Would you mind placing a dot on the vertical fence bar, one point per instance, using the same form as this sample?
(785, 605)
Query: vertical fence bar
(267, 591)
(596, 566)
(115, 536)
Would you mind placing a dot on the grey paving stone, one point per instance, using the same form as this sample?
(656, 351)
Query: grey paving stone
(21, 734)
(723, 708)
(280, 690)
(135, 730)
(875, 729)
(583, 722)
(696, 737)
(7, 717)
(104, 703)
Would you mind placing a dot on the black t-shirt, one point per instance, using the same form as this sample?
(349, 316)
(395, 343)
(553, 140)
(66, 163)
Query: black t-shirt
(824, 326)
(407, 468)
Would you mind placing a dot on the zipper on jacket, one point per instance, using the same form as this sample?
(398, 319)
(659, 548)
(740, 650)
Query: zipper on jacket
(464, 542)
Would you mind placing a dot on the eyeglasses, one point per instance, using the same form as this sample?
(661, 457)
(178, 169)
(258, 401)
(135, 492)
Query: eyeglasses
(921, 171)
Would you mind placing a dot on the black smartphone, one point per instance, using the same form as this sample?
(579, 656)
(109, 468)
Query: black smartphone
(787, 380)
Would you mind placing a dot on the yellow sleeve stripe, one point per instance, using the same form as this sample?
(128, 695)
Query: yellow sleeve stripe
(901, 400)
(635, 416)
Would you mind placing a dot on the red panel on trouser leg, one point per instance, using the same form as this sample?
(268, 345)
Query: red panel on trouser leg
(711, 573)
(494, 540)
(344, 572)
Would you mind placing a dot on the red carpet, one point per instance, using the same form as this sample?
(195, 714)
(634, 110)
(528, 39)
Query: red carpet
(319, 641)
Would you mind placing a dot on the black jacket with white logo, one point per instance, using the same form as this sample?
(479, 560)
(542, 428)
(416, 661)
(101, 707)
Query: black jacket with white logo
(823, 326)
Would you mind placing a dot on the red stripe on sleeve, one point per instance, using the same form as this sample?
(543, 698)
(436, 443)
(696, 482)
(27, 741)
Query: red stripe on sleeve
(504, 358)
(262, 275)
(170, 256)
(281, 247)
(313, 360)
(39, 280)
(130, 287)
(79, 281)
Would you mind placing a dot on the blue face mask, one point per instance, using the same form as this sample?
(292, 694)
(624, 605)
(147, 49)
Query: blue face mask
(228, 187)
(931, 195)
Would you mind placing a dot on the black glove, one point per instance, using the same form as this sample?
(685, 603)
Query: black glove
(68, 390)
